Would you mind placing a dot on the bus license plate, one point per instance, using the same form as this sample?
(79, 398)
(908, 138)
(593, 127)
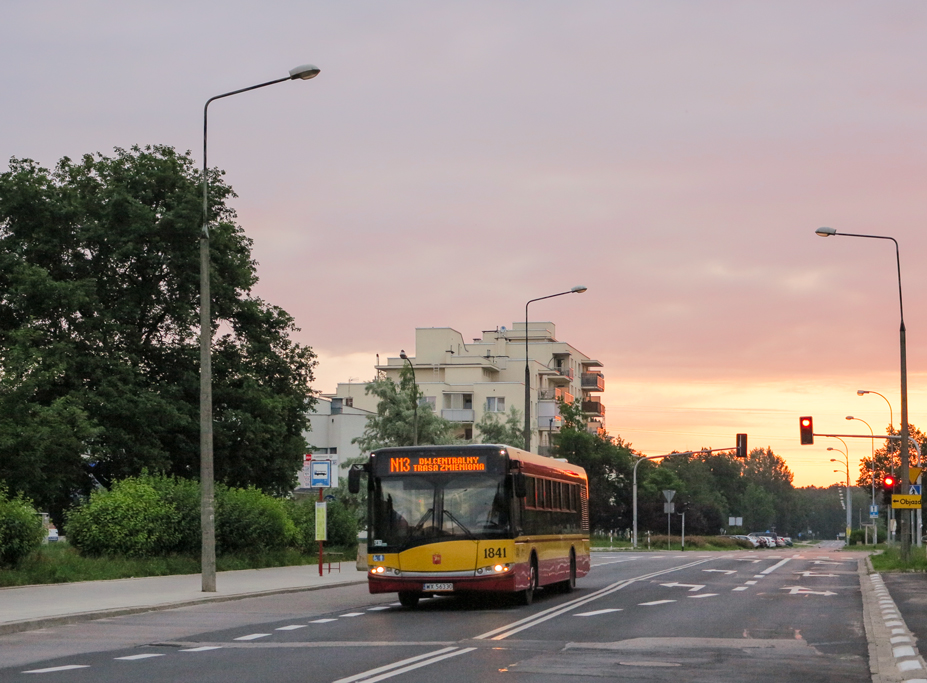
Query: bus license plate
(438, 587)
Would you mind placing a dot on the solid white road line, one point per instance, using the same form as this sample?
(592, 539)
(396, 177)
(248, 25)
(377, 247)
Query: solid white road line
(132, 658)
(394, 665)
(52, 669)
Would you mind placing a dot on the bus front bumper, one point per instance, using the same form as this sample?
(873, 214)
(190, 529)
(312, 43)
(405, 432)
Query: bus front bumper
(448, 585)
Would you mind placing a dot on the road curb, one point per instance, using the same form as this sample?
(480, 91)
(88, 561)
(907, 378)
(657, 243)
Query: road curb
(893, 657)
(45, 622)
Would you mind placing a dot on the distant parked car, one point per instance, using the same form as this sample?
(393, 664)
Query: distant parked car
(766, 538)
(52, 534)
(754, 542)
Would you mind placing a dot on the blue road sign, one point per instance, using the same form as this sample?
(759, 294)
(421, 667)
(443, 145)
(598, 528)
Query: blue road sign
(320, 474)
(915, 489)
(873, 511)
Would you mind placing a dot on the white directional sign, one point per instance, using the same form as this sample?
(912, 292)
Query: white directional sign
(873, 511)
(721, 571)
(691, 586)
(813, 574)
(823, 562)
(801, 590)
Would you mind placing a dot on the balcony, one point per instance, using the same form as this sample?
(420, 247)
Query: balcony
(561, 376)
(458, 414)
(594, 408)
(593, 381)
(550, 423)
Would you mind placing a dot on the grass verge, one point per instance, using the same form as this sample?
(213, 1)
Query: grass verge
(889, 560)
(60, 563)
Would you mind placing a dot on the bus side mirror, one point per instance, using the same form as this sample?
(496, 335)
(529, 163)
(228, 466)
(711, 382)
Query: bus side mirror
(519, 484)
(354, 475)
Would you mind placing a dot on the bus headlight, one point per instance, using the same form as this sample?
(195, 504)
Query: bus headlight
(389, 571)
(495, 569)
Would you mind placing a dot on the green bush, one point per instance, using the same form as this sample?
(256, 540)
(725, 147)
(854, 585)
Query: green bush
(248, 520)
(342, 523)
(857, 536)
(21, 529)
(131, 519)
(184, 496)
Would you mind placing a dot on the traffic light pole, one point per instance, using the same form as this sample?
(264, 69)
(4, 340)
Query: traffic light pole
(741, 448)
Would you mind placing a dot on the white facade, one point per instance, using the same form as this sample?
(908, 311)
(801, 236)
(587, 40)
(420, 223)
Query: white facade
(335, 423)
(462, 381)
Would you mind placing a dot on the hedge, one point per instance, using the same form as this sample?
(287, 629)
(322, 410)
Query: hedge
(21, 528)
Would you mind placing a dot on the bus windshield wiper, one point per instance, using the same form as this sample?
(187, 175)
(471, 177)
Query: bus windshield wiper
(418, 527)
(460, 524)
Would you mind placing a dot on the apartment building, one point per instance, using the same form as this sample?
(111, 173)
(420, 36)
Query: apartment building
(464, 380)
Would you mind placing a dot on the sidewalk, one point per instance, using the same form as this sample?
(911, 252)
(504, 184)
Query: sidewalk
(32, 607)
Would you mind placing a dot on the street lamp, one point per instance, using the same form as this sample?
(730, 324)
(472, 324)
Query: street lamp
(906, 519)
(871, 457)
(402, 354)
(846, 457)
(207, 473)
(891, 416)
(579, 289)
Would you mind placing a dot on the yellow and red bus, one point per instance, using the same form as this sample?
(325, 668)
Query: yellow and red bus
(473, 518)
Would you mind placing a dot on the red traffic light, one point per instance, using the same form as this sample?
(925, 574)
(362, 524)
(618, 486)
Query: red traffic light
(806, 430)
(888, 482)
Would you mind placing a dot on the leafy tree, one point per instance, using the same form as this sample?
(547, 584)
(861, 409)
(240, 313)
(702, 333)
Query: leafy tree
(608, 463)
(888, 456)
(99, 302)
(393, 423)
(758, 508)
(510, 432)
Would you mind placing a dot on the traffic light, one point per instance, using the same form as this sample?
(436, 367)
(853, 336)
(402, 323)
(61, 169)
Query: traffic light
(741, 446)
(806, 429)
(889, 486)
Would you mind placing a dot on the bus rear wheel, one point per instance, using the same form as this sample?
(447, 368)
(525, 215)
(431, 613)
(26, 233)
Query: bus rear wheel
(409, 599)
(569, 585)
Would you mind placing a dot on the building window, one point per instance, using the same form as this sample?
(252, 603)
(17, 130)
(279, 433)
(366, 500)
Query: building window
(349, 401)
(468, 433)
(427, 400)
(495, 404)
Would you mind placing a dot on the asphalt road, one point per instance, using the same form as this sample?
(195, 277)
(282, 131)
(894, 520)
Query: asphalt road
(773, 615)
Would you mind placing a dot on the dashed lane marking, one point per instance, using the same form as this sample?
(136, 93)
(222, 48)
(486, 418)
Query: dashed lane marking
(204, 648)
(353, 614)
(291, 627)
(377, 609)
(597, 612)
(132, 658)
(322, 621)
(740, 588)
(703, 595)
(655, 602)
(52, 669)
(253, 636)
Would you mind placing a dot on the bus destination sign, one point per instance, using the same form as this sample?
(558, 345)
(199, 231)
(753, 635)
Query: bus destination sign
(420, 464)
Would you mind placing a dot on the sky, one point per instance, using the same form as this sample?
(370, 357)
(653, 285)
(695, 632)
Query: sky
(454, 160)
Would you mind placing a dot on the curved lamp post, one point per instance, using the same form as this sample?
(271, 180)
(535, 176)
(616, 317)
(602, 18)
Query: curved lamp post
(207, 473)
(846, 459)
(579, 289)
(905, 519)
(402, 354)
(872, 475)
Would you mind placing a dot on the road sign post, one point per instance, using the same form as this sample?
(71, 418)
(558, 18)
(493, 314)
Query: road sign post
(320, 476)
(668, 508)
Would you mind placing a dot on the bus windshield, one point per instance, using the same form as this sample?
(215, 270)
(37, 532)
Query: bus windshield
(413, 510)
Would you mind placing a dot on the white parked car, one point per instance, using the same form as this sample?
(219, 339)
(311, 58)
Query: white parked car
(751, 539)
(52, 534)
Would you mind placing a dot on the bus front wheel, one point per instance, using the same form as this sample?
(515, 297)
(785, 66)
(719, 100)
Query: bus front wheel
(526, 597)
(408, 599)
